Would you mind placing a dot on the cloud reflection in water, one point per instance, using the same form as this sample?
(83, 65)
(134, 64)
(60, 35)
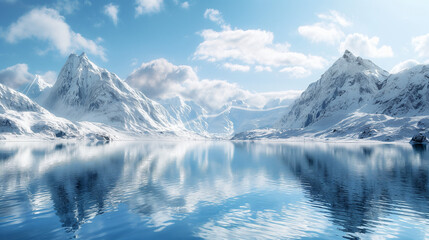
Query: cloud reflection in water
(213, 190)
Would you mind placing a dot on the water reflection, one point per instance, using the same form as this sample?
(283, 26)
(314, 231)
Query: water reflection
(213, 190)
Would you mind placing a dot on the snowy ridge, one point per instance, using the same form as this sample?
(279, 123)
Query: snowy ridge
(355, 99)
(36, 90)
(85, 92)
(405, 93)
(345, 87)
(98, 103)
(19, 115)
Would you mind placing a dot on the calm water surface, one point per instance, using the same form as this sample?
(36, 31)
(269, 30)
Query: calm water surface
(213, 190)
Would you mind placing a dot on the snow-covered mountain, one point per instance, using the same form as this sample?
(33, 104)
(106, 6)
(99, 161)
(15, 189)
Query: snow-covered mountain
(37, 89)
(96, 100)
(19, 115)
(405, 93)
(355, 99)
(86, 92)
(345, 87)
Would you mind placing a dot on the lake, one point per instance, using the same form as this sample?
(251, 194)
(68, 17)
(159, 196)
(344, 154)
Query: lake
(213, 190)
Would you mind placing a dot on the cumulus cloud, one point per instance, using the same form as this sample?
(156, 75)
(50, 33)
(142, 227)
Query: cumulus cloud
(48, 25)
(236, 67)
(327, 31)
(111, 11)
(160, 79)
(404, 65)
(214, 15)
(421, 45)
(49, 77)
(364, 46)
(15, 76)
(251, 47)
(296, 72)
(148, 6)
(260, 68)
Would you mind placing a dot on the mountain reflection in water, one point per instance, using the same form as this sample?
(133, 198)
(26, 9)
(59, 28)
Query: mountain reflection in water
(212, 190)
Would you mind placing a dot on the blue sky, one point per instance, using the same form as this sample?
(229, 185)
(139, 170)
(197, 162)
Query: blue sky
(262, 46)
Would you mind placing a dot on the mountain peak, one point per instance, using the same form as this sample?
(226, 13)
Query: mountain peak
(75, 62)
(348, 55)
(83, 55)
(73, 57)
(346, 86)
(350, 64)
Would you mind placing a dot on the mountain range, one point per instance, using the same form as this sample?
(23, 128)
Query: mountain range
(356, 99)
(353, 99)
(89, 101)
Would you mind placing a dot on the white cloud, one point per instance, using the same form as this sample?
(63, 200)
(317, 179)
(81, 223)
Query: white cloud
(328, 30)
(49, 77)
(160, 79)
(283, 95)
(296, 72)
(335, 17)
(251, 47)
(185, 5)
(404, 65)
(18, 75)
(213, 94)
(321, 32)
(48, 25)
(236, 67)
(421, 45)
(15, 76)
(364, 46)
(148, 6)
(214, 15)
(111, 11)
(260, 68)
(67, 6)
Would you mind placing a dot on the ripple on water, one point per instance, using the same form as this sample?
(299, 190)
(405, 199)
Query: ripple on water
(213, 190)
